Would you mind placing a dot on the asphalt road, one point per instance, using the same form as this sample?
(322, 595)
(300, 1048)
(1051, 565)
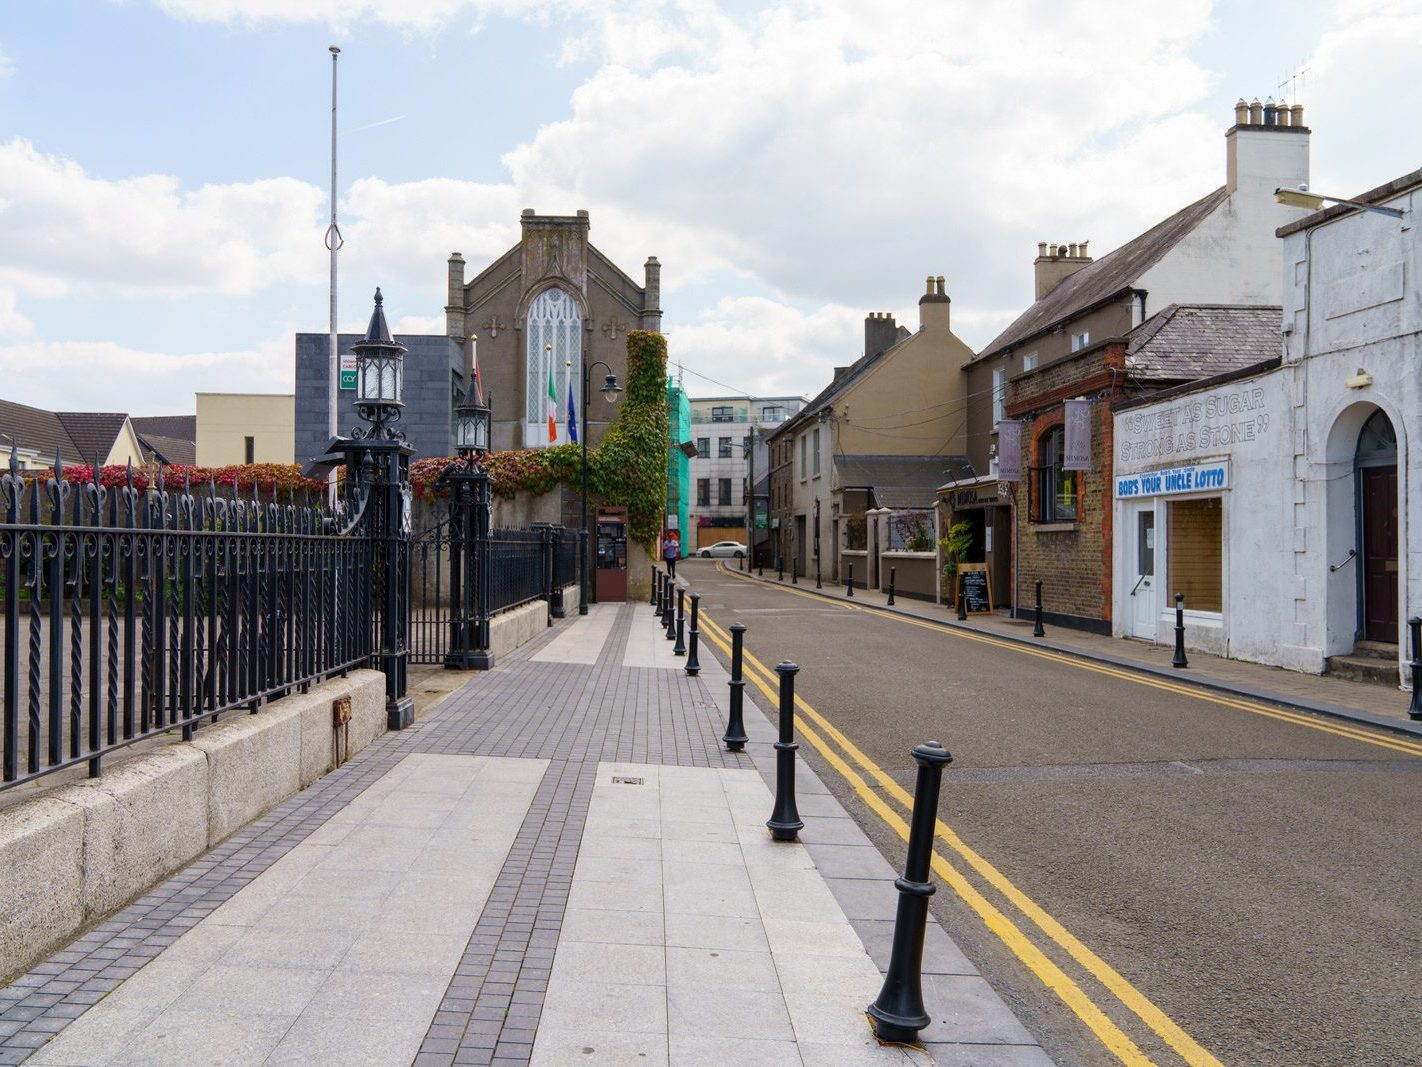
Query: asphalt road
(1259, 881)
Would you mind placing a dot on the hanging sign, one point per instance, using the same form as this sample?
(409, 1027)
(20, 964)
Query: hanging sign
(348, 370)
(1076, 454)
(1009, 451)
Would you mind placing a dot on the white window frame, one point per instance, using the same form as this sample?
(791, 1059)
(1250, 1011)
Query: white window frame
(1080, 340)
(1029, 361)
(815, 448)
(553, 318)
(999, 393)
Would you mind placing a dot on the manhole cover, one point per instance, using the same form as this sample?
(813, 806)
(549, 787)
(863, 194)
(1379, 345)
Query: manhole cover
(618, 779)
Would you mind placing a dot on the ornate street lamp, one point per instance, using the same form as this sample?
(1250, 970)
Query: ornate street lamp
(469, 504)
(611, 391)
(380, 373)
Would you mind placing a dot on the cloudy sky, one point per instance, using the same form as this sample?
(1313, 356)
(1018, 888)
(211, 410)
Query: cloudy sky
(794, 164)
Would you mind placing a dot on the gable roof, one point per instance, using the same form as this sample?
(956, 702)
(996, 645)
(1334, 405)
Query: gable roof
(176, 427)
(35, 428)
(92, 432)
(1187, 342)
(170, 451)
(1113, 272)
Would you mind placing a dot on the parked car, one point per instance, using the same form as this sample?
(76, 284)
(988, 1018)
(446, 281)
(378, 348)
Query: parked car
(731, 549)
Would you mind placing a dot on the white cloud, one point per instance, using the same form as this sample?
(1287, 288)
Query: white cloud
(60, 227)
(116, 378)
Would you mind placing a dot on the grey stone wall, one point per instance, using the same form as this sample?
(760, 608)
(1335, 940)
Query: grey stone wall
(429, 363)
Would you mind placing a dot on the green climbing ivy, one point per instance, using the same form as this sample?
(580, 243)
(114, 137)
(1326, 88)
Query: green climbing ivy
(627, 469)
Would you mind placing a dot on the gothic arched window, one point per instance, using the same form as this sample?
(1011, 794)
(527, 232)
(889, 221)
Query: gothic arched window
(554, 339)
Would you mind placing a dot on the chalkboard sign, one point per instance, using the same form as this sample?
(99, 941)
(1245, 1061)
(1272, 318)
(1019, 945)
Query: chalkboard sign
(975, 587)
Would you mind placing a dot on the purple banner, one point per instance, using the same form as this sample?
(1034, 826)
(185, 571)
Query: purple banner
(1009, 451)
(1076, 455)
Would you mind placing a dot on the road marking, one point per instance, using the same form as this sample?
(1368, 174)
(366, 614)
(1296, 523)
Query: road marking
(1052, 976)
(1355, 733)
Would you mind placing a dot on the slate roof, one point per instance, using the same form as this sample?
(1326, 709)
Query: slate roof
(1187, 342)
(1112, 273)
(170, 451)
(901, 481)
(35, 428)
(92, 432)
(175, 427)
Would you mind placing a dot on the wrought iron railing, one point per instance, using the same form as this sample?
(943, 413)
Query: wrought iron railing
(565, 559)
(129, 613)
(516, 568)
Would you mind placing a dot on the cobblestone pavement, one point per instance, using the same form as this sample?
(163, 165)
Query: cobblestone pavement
(575, 712)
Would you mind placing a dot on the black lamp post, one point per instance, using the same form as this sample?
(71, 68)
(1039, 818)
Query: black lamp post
(469, 517)
(610, 392)
(378, 455)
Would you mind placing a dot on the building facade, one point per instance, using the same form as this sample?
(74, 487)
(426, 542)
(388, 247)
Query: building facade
(245, 428)
(536, 317)
(729, 433)
(1294, 485)
(548, 307)
(886, 432)
(677, 523)
(1219, 251)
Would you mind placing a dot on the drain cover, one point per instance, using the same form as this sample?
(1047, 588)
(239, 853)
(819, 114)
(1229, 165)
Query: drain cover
(617, 779)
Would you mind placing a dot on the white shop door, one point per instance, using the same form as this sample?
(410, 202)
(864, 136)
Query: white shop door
(1142, 602)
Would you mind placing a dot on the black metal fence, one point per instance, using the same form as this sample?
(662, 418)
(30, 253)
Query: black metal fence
(516, 568)
(131, 612)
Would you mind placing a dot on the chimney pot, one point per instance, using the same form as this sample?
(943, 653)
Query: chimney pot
(1241, 112)
(1073, 250)
(1083, 250)
(1041, 248)
(929, 290)
(1256, 112)
(940, 286)
(1270, 112)
(1297, 109)
(1052, 250)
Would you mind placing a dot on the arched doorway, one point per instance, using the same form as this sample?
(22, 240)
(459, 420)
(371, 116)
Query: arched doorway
(1375, 462)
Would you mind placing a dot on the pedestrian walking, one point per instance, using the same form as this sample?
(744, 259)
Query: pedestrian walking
(671, 548)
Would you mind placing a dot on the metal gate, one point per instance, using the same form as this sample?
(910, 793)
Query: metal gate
(431, 591)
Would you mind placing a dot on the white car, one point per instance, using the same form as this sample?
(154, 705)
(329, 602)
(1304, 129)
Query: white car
(730, 549)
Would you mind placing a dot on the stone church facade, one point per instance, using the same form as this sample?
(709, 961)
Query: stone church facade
(552, 303)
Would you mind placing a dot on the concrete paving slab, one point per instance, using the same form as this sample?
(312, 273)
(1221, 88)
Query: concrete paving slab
(581, 641)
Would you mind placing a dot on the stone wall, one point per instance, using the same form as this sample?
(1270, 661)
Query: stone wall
(79, 852)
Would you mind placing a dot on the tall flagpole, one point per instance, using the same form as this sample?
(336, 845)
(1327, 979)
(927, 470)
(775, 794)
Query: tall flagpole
(333, 244)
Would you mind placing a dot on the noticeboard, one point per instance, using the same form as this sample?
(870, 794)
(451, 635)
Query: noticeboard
(348, 370)
(975, 587)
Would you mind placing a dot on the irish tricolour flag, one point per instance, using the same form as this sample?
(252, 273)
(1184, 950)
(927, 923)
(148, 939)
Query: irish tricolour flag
(552, 406)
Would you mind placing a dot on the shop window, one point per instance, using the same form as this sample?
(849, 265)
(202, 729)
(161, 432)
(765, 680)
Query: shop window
(703, 492)
(1194, 553)
(1053, 487)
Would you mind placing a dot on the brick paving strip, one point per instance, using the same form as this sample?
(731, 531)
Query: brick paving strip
(575, 716)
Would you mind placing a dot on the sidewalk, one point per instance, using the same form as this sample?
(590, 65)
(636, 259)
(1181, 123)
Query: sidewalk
(1374, 704)
(560, 864)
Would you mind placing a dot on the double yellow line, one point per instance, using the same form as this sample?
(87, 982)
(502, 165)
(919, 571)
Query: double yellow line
(1364, 734)
(886, 798)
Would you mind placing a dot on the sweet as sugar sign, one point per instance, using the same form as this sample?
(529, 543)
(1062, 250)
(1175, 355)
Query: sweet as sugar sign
(1201, 478)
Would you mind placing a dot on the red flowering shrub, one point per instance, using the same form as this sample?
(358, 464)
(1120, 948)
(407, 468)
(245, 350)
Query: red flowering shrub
(266, 478)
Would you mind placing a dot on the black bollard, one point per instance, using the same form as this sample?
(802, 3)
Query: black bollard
(962, 606)
(1037, 628)
(849, 581)
(656, 591)
(780, 568)
(760, 567)
(784, 821)
(680, 647)
(1414, 710)
(693, 665)
(794, 571)
(817, 573)
(735, 737)
(898, 1013)
(891, 585)
(1180, 660)
(653, 600)
(669, 618)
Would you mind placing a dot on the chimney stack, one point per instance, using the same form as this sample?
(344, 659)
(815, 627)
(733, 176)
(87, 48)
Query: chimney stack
(880, 331)
(933, 306)
(1056, 263)
(454, 324)
(1266, 146)
(652, 305)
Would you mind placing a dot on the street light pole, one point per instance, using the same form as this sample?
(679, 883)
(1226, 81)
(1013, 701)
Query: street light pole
(610, 390)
